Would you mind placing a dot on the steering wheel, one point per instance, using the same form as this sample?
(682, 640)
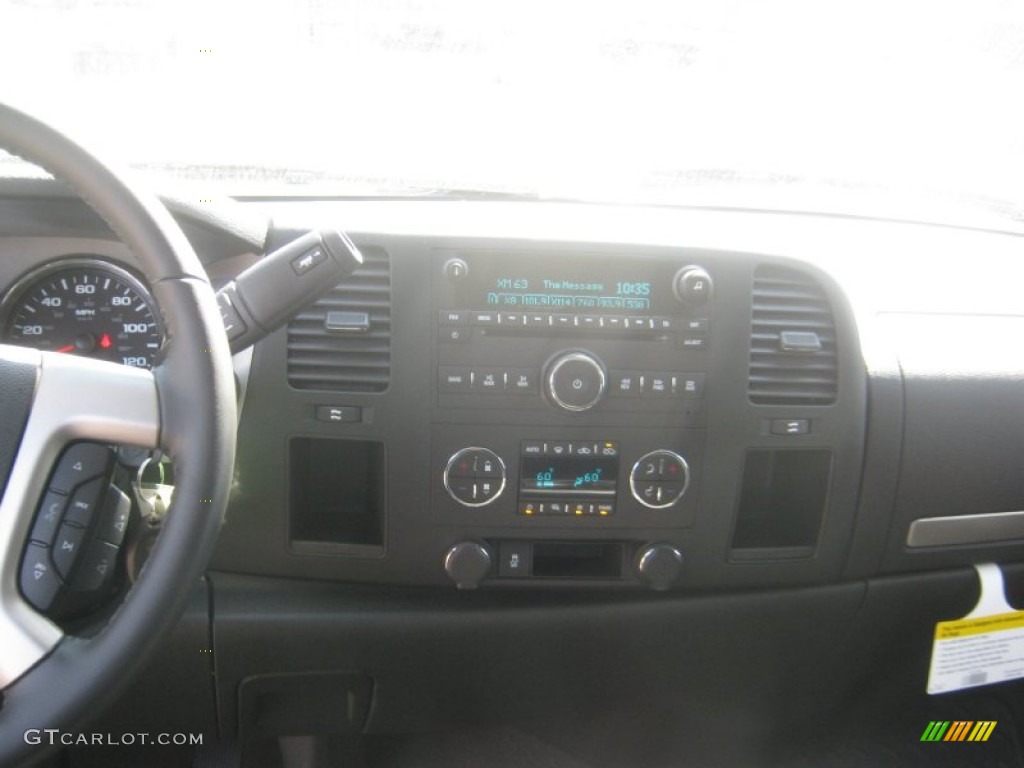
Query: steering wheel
(185, 406)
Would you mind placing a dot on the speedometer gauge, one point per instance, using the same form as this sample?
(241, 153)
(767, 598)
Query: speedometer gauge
(84, 307)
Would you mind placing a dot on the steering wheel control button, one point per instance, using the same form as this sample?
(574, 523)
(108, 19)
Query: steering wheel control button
(659, 479)
(84, 503)
(576, 382)
(48, 518)
(113, 522)
(67, 547)
(692, 285)
(475, 477)
(39, 580)
(467, 563)
(81, 462)
(97, 568)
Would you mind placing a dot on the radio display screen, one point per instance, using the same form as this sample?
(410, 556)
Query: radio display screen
(597, 284)
(568, 475)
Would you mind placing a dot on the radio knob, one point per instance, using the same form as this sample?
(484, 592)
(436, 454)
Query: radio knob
(467, 563)
(692, 285)
(659, 565)
(456, 270)
(575, 381)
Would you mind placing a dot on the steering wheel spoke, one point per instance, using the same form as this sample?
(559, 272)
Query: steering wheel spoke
(74, 399)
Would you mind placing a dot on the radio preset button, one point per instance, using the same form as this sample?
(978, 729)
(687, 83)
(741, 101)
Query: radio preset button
(512, 319)
(563, 321)
(522, 381)
(489, 380)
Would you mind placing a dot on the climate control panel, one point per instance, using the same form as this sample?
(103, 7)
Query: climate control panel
(566, 480)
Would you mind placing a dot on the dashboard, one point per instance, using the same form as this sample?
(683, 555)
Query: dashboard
(547, 413)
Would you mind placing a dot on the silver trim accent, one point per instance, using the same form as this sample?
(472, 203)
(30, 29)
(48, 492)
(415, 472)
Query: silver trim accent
(669, 454)
(573, 357)
(988, 528)
(76, 398)
(504, 476)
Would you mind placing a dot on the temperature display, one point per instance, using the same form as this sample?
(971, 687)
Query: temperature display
(568, 475)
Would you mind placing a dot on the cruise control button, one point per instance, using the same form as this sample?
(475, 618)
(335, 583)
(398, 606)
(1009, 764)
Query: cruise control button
(48, 518)
(79, 463)
(113, 521)
(66, 548)
(98, 567)
(84, 503)
(39, 581)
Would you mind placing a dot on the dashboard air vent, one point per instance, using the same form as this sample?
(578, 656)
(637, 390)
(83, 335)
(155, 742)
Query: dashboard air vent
(342, 343)
(792, 341)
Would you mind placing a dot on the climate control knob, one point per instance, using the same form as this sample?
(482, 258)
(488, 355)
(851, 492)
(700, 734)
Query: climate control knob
(659, 565)
(467, 563)
(575, 381)
(659, 479)
(475, 477)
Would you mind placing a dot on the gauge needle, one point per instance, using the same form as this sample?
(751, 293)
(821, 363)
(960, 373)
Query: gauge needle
(68, 348)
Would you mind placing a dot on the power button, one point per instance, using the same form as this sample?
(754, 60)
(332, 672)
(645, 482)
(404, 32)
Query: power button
(576, 382)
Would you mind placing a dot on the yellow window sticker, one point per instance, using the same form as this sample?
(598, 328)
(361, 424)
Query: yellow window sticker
(984, 647)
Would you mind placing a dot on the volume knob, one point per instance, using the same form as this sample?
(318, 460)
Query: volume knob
(575, 381)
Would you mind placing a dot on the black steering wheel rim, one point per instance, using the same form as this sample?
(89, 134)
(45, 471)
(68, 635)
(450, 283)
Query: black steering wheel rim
(196, 427)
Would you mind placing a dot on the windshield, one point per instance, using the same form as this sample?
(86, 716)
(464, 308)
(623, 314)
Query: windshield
(799, 104)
